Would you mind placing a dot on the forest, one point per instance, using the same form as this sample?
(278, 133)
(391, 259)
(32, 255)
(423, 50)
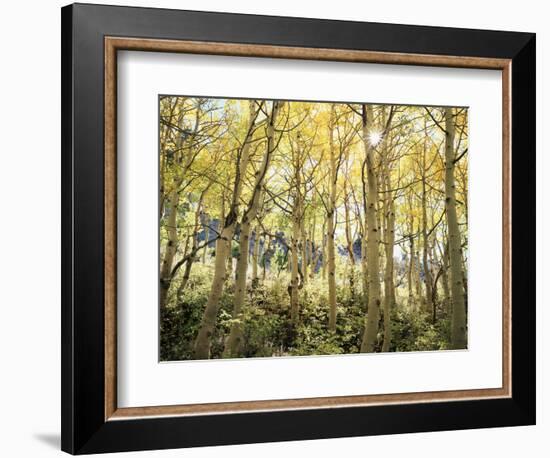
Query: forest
(294, 228)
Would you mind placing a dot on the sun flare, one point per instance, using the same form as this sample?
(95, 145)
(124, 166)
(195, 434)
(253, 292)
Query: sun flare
(375, 138)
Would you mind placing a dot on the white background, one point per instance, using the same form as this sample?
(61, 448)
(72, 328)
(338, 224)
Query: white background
(30, 229)
(142, 381)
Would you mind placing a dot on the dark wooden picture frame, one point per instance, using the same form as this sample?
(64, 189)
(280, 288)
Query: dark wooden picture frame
(91, 37)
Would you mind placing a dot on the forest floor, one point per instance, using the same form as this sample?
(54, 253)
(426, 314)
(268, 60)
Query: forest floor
(268, 330)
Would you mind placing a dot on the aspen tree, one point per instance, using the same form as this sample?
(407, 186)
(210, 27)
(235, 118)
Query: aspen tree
(389, 287)
(184, 163)
(331, 210)
(428, 302)
(255, 255)
(373, 237)
(458, 318)
(235, 340)
(223, 244)
(195, 242)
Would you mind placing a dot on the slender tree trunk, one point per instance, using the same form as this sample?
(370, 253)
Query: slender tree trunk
(235, 340)
(458, 320)
(410, 269)
(255, 256)
(186, 254)
(162, 172)
(265, 251)
(364, 238)
(349, 243)
(364, 272)
(164, 134)
(373, 263)
(171, 244)
(425, 242)
(324, 252)
(313, 251)
(331, 272)
(331, 213)
(194, 244)
(417, 280)
(389, 287)
(206, 237)
(347, 226)
(294, 275)
(434, 298)
(185, 277)
(445, 280)
(415, 297)
(223, 247)
(229, 260)
(303, 237)
(304, 252)
(465, 282)
(202, 343)
(241, 270)
(316, 254)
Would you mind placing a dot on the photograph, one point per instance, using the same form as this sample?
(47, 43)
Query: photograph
(273, 217)
(302, 228)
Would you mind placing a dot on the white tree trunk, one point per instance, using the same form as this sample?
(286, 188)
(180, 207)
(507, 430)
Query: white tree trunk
(223, 248)
(235, 339)
(389, 287)
(373, 262)
(331, 214)
(458, 320)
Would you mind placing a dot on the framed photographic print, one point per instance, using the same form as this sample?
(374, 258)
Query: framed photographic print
(282, 228)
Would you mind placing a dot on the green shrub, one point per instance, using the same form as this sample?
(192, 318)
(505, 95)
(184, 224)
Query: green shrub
(414, 331)
(268, 330)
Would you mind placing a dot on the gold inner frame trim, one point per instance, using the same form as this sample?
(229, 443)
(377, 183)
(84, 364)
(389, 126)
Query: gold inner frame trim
(112, 45)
